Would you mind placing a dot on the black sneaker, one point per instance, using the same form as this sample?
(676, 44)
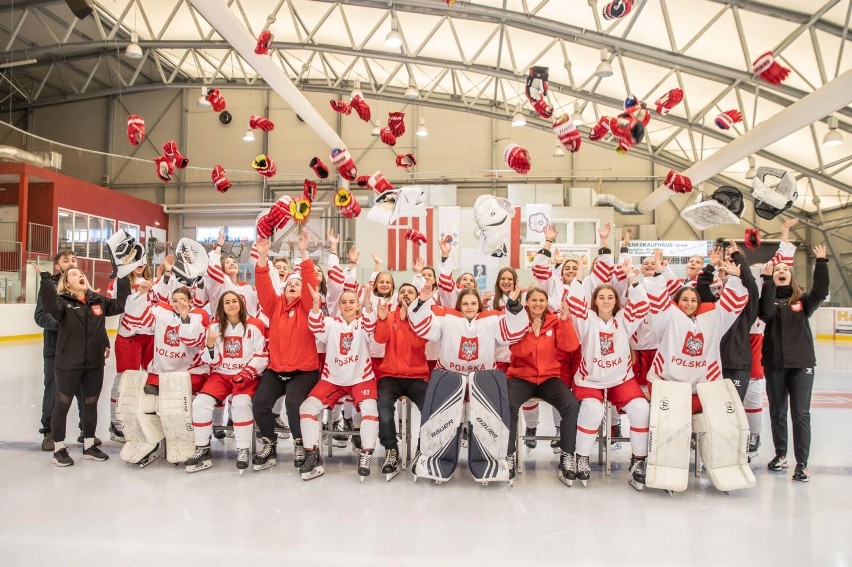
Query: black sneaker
(47, 442)
(61, 458)
(80, 440)
(530, 432)
(778, 463)
(801, 472)
(95, 454)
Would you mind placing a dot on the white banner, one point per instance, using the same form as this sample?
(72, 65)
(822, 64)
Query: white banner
(537, 217)
(448, 225)
(670, 248)
(483, 267)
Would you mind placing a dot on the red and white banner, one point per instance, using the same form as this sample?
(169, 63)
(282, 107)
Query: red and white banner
(402, 252)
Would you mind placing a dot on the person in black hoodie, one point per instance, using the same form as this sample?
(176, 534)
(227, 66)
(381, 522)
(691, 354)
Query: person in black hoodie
(735, 348)
(81, 314)
(789, 358)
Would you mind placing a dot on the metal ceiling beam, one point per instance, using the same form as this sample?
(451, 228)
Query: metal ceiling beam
(782, 14)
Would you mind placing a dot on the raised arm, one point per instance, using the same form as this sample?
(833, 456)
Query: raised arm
(819, 291)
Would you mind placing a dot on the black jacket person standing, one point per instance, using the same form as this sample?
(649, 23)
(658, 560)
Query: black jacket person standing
(789, 358)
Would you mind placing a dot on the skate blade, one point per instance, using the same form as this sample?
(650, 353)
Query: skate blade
(319, 471)
(283, 435)
(566, 481)
(585, 482)
(199, 467)
(267, 465)
(339, 444)
(556, 450)
(147, 461)
(390, 476)
(117, 439)
(638, 486)
(615, 446)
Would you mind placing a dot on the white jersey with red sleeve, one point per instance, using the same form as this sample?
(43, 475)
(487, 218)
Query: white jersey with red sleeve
(688, 348)
(163, 289)
(347, 358)
(605, 345)
(217, 283)
(126, 323)
(177, 345)
(448, 290)
(334, 280)
(467, 345)
(238, 349)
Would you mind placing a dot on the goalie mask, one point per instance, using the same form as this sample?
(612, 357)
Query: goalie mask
(725, 206)
(190, 262)
(125, 253)
(774, 191)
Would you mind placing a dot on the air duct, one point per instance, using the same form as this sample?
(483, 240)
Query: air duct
(47, 160)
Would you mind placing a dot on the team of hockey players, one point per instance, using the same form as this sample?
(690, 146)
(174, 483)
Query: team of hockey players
(323, 341)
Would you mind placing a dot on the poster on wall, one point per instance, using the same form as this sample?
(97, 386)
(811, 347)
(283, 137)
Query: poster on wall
(843, 322)
(528, 254)
(537, 217)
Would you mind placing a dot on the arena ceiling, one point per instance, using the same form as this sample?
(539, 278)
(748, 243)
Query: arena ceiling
(473, 57)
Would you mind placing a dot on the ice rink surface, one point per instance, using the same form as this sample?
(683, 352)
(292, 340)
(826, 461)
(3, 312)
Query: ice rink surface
(115, 514)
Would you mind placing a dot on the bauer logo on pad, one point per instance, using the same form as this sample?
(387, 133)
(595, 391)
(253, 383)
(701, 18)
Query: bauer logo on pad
(694, 344)
(469, 349)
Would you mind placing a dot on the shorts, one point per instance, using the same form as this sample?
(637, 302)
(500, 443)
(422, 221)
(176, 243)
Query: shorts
(220, 386)
(328, 393)
(619, 396)
(133, 353)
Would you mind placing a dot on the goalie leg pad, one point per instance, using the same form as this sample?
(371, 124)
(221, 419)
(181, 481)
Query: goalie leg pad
(130, 412)
(176, 415)
(723, 443)
(669, 435)
(489, 426)
(440, 426)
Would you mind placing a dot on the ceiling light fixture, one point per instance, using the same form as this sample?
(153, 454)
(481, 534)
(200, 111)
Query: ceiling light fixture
(376, 130)
(411, 92)
(577, 119)
(356, 91)
(422, 131)
(752, 168)
(133, 50)
(21, 63)
(558, 151)
(394, 38)
(249, 135)
(833, 137)
(604, 68)
(518, 119)
(202, 100)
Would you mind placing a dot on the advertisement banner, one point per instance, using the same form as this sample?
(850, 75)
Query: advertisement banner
(670, 248)
(843, 321)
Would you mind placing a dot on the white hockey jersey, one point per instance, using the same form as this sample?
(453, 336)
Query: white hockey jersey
(238, 348)
(217, 283)
(177, 345)
(688, 349)
(347, 358)
(605, 345)
(126, 323)
(164, 289)
(467, 346)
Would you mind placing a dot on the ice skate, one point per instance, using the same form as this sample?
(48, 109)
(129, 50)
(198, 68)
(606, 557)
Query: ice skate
(511, 460)
(584, 470)
(199, 460)
(364, 462)
(299, 448)
(753, 445)
(312, 467)
(530, 443)
(566, 470)
(266, 458)
(614, 433)
(356, 440)
(281, 428)
(554, 445)
(391, 467)
(218, 434)
(116, 434)
(637, 472)
(150, 457)
(242, 460)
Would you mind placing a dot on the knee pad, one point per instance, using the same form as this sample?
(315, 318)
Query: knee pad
(241, 410)
(202, 407)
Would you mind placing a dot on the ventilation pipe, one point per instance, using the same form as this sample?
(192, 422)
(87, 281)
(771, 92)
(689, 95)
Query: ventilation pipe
(47, 160)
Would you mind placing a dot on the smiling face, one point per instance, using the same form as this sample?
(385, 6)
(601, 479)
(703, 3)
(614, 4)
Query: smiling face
(506, 280)
(231, 306)
(781, 274)
(230, 266)
(687, 301)
(569, 271)
(384, 285)
(693, 267)
(605, 301)
(469, 306)
(180, 301)
(536, 303)
(467, 281)
(648, 267)
(319, 274)
(349, 306)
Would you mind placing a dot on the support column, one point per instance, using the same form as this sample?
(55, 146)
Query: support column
(23, 207)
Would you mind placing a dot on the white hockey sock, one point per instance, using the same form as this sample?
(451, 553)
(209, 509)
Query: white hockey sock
(243, 419)
(202, 418)
(531, 412)
(370, 425)
(308, 412)
(753, 405)
(638, 412)
(588, 422)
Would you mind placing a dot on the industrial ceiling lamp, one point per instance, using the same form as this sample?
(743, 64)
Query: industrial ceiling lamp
(833, 137)
(202, 100)
(133, 50)
(577, 119)
(411, 92)
(604, 69)
(422, 131)
(249, 135)
(518, 119)
(376, 130)
(394, 38)
(356, 91)
(752, 168)
(558, 151)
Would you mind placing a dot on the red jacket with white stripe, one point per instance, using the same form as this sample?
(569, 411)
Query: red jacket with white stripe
(347, 358)
(536, 358)
(606, 344)
(177, 345)
(688, 349)
(238, 349)
(467, 345)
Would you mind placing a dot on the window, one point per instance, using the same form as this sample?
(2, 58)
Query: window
(204, 234)
(85, 234)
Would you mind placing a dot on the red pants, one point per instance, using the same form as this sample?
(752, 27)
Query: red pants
(619, 396)
(642, 364)
(328, 393)
(133, 353)
(220, 386)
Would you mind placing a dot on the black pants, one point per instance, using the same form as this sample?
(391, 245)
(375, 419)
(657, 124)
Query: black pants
(390, 390)
(49, 396)
(295, 385)
(797, 384)
(554, 392)
(69, 383)
(740, 379)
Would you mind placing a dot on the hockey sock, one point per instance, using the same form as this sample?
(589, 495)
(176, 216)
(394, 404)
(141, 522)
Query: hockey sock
(202, 418)
(588, 422)
(243, 420)
(370, 424)
(638, 412)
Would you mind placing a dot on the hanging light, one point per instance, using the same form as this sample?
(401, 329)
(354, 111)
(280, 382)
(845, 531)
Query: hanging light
(518, 119)
(411, 92)
(577, 119)
(356, 91)
(202, 100)
(376, 130)
(833, 137)
(558, 151)
(604, 68)
(133, 50)
(394, 38)
(422, 131)
(249, 135)
(752, 168)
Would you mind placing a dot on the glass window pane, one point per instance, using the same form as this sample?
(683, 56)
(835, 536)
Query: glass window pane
(65, 230)
(586, 232)
(108, 230)
(81, 235)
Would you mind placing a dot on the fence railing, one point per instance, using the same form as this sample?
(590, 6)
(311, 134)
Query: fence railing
(10, 271)
(9, 231)
(39, 238)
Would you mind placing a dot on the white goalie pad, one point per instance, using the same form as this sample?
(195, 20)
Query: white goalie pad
(176, 415)
(723, 436)
(669, 435)
(440, 429)
(488, 414)
(709, 213)
(142, 431)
